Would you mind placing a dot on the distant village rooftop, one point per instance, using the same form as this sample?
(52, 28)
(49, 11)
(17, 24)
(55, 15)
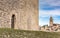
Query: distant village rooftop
(53, 27)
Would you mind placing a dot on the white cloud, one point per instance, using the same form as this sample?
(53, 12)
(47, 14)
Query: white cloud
(51, 2)
(48, 13)
(45, 13)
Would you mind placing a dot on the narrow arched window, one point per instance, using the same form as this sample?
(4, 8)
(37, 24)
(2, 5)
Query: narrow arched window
(13, 21)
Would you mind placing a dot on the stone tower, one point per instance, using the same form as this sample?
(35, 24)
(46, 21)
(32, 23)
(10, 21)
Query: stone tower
(51, 21)
(19, 14)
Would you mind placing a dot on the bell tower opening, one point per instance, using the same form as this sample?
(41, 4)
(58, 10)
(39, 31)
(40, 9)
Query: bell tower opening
(13, 21)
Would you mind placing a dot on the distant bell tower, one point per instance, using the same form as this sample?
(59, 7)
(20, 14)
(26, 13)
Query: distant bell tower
(51, 21)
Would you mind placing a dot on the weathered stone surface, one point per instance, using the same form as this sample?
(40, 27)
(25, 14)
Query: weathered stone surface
(25, 11)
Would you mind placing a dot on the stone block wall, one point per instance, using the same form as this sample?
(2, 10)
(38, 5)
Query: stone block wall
(25, 11)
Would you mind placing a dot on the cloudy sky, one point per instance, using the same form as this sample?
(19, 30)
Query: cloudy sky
(49, 8)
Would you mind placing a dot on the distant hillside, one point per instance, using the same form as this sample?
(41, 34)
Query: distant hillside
(11, 33)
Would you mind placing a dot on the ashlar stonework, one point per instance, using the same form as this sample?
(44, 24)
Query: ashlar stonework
(19, 14)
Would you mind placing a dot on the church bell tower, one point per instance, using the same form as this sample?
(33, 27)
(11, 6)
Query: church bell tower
(51, 21)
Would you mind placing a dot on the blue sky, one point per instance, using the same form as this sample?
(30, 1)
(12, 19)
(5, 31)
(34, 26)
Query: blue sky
(49, 8)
